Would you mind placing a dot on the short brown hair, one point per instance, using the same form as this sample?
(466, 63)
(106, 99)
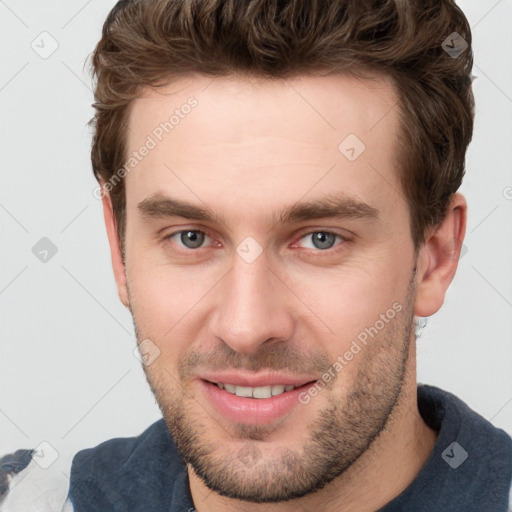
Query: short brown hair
(150, 42)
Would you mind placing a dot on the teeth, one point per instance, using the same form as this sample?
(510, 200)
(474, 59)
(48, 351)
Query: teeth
(230, 388)
(243, 391)
(262, 392)
(277, 389)
(258, 392)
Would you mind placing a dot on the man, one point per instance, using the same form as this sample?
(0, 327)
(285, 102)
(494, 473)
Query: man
(279, 183)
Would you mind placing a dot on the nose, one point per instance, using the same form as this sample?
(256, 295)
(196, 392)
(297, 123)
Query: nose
(254, 307)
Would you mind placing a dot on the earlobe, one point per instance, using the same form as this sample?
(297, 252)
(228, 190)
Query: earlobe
(115, 249)
(439, 257)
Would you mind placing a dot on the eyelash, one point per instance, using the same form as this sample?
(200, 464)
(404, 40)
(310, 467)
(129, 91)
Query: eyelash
(331, 250)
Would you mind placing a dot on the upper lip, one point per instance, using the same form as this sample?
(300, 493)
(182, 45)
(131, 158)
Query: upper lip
(252, 380)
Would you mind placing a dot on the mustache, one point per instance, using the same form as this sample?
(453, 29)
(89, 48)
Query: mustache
(272, 357)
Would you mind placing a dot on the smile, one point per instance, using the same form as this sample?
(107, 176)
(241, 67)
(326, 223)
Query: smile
(256, 392)
(256, 405)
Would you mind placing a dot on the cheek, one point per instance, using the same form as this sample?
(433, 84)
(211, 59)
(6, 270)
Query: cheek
(159, 310)
(169, 305)
(350, 298)
(161, 297)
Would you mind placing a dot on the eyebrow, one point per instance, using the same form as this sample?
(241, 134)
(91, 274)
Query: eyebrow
(329, 206)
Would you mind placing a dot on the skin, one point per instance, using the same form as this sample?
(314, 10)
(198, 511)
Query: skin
(252, 146)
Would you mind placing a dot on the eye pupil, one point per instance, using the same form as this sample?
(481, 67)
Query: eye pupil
(323, 240)
(192, 239)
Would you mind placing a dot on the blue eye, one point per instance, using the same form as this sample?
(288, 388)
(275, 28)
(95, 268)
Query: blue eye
(190, 238)
(323, 239)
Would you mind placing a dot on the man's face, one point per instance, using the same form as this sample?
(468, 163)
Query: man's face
(251, 297)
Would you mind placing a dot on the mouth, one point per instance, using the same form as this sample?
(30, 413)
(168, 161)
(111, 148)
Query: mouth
(259, 392)
(255, 405)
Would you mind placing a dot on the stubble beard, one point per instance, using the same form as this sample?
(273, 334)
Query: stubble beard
(338, 435)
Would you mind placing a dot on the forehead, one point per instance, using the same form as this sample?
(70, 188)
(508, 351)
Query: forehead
(235, 108)
(295, 136)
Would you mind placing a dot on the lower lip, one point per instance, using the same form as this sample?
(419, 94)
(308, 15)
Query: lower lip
(256, 411)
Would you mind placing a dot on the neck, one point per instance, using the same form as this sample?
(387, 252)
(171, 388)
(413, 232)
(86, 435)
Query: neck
(380, 474)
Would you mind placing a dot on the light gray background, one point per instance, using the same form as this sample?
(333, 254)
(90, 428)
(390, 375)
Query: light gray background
(68, 375)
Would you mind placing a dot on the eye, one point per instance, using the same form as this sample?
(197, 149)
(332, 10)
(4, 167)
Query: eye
(323, 240)
(189, 238)
(195, 238)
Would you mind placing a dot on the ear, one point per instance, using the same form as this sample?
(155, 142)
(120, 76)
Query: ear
(439, 257)
(115, 249)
